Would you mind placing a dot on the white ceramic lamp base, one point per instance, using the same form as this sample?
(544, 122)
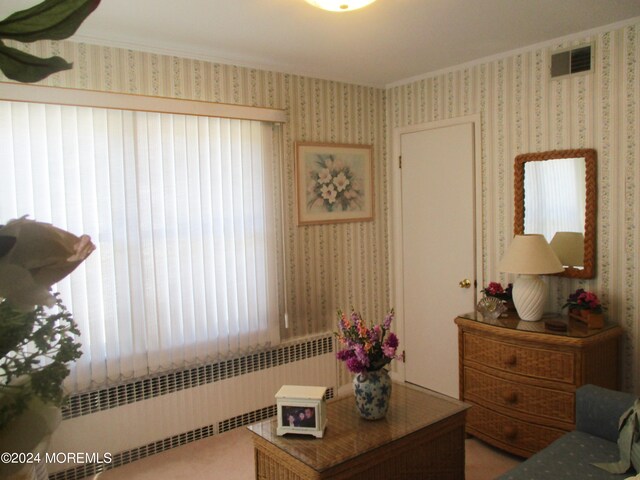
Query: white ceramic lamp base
(529, 295)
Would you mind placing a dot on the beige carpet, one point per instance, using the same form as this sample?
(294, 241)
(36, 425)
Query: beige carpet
(229, 456)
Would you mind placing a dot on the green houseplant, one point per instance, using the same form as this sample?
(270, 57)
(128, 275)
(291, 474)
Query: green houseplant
(37, 333)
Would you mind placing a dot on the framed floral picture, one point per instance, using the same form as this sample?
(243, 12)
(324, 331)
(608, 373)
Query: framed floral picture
(334, 183)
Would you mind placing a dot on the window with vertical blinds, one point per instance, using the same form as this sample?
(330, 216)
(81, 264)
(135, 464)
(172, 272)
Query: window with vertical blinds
(182, 211)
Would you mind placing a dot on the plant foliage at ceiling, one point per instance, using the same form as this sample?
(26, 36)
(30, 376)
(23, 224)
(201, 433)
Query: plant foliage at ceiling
(49, 20)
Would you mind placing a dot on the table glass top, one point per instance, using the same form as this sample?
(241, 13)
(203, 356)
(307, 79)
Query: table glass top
(348, 435)
(575, 328)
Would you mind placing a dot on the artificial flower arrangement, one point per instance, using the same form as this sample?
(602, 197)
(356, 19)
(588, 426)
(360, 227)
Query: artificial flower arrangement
(583, 300)
(367, 348)
(586, 307)
(495, 289)
(38, 337)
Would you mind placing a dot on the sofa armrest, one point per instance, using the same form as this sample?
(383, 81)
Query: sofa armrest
(598, 410)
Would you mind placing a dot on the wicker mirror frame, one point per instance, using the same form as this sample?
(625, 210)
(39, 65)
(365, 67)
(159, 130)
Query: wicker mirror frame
(589, 156)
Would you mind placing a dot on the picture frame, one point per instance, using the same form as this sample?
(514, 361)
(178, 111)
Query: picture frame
(301, 410)
(334, 183)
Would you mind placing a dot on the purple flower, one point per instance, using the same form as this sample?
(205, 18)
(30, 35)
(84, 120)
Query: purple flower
(389, 346)
(344, 355)
(388, 319)
(392, 340)
(575, 296)
(361, 355)
(354, 365)
(375, 334)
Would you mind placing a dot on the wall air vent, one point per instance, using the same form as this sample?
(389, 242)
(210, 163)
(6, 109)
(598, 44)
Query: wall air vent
(568, 62)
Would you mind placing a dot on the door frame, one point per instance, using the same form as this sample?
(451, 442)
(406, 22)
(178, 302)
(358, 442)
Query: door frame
(396, 272)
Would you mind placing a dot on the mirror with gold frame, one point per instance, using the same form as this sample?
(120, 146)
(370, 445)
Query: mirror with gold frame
(555, 194)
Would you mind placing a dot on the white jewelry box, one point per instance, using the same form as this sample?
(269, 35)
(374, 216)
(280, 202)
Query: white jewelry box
(301, 410)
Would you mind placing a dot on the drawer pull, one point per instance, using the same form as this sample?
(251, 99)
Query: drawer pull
(511, 361)
(510, 432)
(510, 397)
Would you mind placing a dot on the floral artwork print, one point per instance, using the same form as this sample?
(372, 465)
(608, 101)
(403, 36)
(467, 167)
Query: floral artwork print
(334, 183)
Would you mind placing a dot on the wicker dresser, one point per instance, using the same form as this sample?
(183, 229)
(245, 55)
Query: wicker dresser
(520, 378)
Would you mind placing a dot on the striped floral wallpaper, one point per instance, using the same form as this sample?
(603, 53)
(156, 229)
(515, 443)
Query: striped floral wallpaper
(328, 266)
(522, 110)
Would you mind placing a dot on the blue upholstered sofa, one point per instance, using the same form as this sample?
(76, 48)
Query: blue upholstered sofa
(594, 440)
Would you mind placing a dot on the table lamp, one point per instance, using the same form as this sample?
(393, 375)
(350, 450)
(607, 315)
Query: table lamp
(569, 247)
(530, 256)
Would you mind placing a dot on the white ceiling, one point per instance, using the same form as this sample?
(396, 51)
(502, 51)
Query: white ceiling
(385, 43)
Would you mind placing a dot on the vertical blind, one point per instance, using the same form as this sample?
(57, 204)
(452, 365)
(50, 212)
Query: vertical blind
(556, 190)
(182, 211)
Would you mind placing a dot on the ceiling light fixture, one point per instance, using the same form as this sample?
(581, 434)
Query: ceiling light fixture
(340, 5)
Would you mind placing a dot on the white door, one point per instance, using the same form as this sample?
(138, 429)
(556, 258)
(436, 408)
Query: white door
(438, 250)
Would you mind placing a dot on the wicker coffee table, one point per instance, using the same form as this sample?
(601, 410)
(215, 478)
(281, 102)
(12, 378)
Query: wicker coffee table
(422, 437)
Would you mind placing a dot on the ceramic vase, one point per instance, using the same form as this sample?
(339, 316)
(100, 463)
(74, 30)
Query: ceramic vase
(372, 393)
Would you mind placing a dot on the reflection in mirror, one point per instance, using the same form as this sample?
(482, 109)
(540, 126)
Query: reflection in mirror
(555, 197)
(569, 247)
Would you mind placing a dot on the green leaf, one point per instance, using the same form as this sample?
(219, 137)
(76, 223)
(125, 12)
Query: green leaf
(49, 20)
(51, 345)
(24, 67)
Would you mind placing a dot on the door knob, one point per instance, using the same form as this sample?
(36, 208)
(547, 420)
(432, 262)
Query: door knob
(466, 283)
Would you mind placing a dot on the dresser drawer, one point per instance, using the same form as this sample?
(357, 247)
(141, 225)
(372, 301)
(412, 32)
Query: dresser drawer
(534, 362)
(528, 399)
(511, 434)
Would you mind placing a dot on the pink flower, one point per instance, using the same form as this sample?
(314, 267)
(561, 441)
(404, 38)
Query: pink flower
(590, 299)
(495, 288)
(583, 300)
(388, 351)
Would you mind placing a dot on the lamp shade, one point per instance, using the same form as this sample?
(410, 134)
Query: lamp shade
(569, 247)
(340, 5)
(530, 254)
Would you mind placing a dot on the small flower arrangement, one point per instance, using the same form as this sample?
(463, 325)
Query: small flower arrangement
(367, 348)
(583, 300)
(495, 289)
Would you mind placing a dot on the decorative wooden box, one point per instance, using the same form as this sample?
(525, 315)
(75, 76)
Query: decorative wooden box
(592, 319)
(302, 410)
